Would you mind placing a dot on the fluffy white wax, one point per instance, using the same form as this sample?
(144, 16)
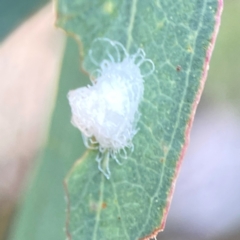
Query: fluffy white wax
(107, 112)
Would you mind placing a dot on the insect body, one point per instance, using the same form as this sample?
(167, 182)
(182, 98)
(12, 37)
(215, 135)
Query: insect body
(107, 112)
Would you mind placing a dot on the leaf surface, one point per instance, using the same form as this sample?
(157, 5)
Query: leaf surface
(178, 37)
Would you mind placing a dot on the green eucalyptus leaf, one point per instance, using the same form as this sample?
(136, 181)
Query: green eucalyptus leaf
(178, 37)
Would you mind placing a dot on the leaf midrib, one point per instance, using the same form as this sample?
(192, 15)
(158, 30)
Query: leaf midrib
(128, 44)
(131, 24)
(99, 209)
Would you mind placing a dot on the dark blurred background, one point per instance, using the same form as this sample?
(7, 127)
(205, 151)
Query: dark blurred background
(206, 203)
(13, 13)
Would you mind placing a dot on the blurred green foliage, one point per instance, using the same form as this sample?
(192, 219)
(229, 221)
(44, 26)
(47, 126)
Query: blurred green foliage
(223, 81)
(13, 12)
(42, 215)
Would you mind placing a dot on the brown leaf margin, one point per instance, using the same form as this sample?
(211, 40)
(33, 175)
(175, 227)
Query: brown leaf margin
(187, 131)
(67, 197)
(190, 122)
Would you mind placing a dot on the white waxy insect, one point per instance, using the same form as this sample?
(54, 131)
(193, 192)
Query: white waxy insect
(107, 112)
